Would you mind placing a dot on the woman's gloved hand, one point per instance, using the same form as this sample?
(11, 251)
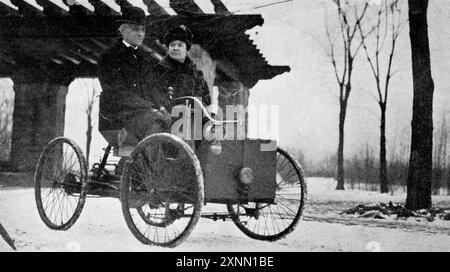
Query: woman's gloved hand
(164, 115)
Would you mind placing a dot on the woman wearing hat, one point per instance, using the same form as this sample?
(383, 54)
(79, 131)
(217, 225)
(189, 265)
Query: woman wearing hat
(177, 71)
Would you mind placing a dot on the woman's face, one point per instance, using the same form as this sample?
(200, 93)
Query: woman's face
(178, 50)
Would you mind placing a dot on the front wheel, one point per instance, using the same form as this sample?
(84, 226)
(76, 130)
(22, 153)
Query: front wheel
(162, 190)
(60, 183)
(272, 221)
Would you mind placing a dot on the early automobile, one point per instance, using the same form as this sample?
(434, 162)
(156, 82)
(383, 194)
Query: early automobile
(166, 180)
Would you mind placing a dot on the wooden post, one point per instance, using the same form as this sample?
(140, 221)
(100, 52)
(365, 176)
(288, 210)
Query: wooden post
(39, 112)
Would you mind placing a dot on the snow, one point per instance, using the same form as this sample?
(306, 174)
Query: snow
(101, 227)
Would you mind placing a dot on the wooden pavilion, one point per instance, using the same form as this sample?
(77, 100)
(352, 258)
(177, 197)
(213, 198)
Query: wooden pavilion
(44, 50)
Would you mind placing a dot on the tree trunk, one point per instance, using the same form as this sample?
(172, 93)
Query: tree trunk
(340, 152)
(446, 175)
(88, 137)
(383, 162)
(420, 161)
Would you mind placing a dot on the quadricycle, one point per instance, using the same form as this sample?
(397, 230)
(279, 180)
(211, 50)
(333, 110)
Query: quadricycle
(164, 181)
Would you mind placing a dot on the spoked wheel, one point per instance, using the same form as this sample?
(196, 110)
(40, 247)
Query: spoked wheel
(60, 183)
(160, 216)
(162, 190)
(272, 221)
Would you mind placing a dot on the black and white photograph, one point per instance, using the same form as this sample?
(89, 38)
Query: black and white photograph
(233, 126)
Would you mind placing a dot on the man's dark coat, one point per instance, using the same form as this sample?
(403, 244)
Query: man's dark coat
(123, 79)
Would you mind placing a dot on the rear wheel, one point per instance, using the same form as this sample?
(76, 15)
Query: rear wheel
(272, 221)
(60, 183)
(162, 190)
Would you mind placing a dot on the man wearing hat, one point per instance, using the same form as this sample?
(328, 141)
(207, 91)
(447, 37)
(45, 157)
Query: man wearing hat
(177, 71)
(124, 70)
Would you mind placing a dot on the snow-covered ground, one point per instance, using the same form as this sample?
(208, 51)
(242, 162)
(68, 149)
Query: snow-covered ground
(101, 227)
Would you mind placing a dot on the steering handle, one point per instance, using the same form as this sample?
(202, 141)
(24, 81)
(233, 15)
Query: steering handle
(204, 110)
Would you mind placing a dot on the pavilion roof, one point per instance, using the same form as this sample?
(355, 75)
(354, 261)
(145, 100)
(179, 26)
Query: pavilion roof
(67, 42)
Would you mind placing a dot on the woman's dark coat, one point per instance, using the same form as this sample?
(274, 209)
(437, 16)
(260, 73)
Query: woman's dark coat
(184, 78)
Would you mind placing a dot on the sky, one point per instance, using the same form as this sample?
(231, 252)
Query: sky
(293, 34)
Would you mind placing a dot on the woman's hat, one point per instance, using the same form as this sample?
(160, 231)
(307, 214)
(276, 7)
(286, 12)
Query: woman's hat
(179, 33)
(132, 15)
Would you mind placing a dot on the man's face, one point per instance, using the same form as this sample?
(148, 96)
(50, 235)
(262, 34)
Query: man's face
(178, 50)
(133, 34)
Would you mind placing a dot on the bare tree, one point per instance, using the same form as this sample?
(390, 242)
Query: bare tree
(420, 160)
(445, 143)
(388, 27)
(440, 154)
(349, 17)
(92, 96)
(441, 143)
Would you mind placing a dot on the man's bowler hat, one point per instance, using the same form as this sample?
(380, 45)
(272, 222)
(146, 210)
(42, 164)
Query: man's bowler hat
(132, 15)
